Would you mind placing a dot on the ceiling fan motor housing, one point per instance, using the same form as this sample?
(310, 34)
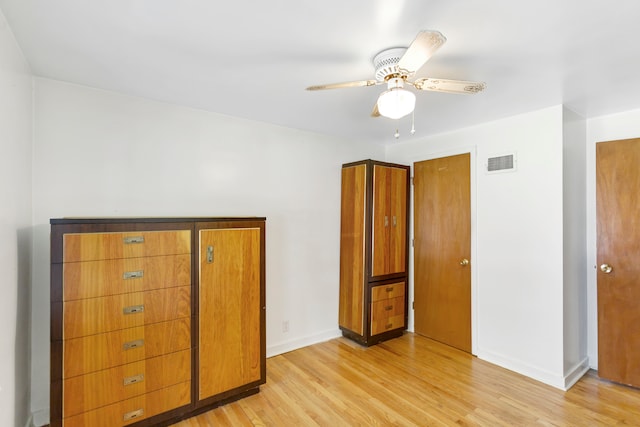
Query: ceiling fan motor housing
(386, 62)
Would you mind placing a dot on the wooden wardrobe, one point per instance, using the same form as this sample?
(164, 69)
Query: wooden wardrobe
(154, 319)
(373, 251)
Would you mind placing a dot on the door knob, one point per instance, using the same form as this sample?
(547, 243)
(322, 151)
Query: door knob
(464, 262)
(606, 268)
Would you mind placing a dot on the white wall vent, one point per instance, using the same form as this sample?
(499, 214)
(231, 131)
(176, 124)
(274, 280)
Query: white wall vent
(505, 163)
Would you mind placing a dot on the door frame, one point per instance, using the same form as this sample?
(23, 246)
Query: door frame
(472, 151)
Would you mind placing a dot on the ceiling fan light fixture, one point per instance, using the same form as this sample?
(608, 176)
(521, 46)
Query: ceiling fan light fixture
(396, 102)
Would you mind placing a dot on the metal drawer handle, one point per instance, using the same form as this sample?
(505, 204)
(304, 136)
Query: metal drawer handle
(134, 309)
(389, 307)
(133, 414)
(389, 289)
(133, 239)
(134, 379)
(209, 254)
(133, 344)
(133, 274)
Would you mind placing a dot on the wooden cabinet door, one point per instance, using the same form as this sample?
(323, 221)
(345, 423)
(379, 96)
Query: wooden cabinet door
(352, 244)
(398, 221)
(229, 312)
(389, 220)
(381, 220)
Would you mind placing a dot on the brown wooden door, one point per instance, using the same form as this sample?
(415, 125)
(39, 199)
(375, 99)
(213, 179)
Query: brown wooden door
(389, 220)
(618, 241)
(229, 315)
(442, 233)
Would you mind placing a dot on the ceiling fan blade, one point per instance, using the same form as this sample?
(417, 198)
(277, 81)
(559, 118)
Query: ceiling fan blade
(449, 86)
(345, 84)
(375, 112)
(420, 50)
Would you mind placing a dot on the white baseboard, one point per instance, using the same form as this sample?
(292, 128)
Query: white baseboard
(39, 418)
(576, 373)
(297, 343)
(542, 375)
(564, 382)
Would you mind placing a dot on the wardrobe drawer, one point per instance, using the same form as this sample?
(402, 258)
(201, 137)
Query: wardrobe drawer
(92, 279)
(102, 351)
(86, 392)
(96, 246)
(387, 315)
(135, 409)
(105, 314)
(387, 291)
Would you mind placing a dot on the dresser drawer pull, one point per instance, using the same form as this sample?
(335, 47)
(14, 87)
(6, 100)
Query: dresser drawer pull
(133, 274)
(134, 309)
(134, 379)
(133, 344)
(133, 239)
(389, 308)
(388, 326)
(389, 289)
(132, 415)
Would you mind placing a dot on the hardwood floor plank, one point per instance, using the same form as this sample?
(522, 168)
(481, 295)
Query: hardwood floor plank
(414, 381)
(401, 391)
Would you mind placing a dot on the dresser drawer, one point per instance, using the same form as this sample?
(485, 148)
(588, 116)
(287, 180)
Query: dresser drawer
(87, 392)
(135, 409)
(387, 315)
(92, 279)
(105, 314)
(103, 351)
(97, 246)
(387, 291)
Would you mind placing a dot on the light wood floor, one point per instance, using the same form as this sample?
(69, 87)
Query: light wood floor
(415, 381)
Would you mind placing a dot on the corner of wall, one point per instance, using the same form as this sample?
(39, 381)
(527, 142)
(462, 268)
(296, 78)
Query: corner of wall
(574, 211)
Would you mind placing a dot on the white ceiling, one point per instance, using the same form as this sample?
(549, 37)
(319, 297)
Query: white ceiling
(253, 59)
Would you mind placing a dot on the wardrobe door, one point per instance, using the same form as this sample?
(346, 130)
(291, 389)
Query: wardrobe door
(229, 346)
(398, 221)
(389, 220)
(352, 248)
(381, 220)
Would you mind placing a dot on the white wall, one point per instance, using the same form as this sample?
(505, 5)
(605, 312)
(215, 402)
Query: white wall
(517, 238)
(606, 128)
(574, 161)
(15, 231)
(99, 153)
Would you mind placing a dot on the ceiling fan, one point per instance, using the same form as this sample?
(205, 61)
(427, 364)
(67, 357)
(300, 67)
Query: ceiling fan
(396, 67)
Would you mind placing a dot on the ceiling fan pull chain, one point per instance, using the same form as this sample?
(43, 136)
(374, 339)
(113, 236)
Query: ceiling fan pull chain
(413, 122)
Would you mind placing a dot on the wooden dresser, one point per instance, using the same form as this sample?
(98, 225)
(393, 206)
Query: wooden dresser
(373, 251)
(156, 319)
